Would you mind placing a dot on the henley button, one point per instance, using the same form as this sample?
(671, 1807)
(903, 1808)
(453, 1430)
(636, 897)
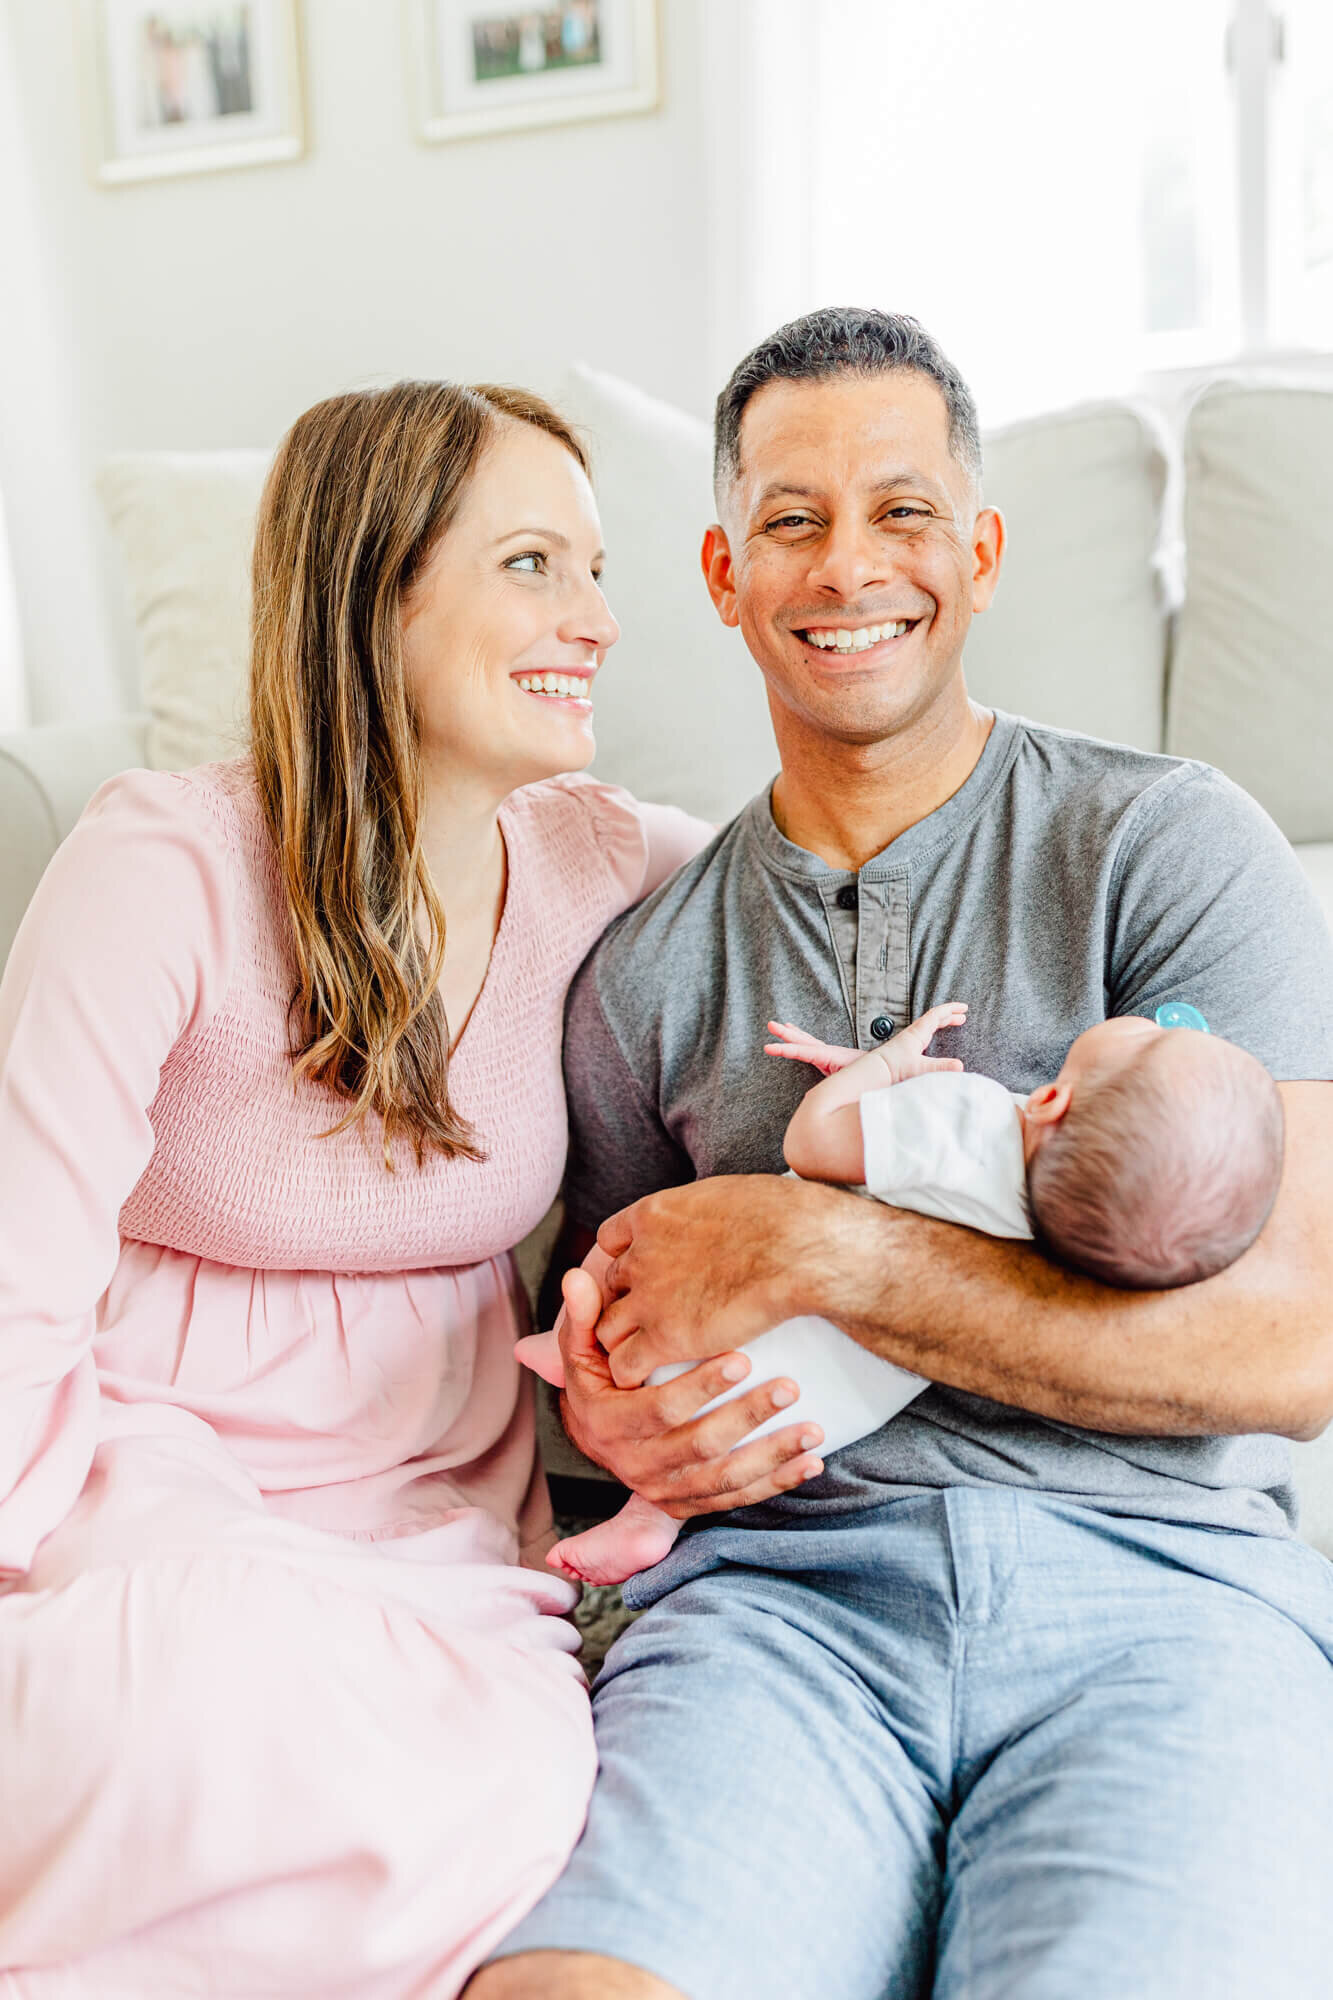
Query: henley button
(846, 898)
(881, 1027)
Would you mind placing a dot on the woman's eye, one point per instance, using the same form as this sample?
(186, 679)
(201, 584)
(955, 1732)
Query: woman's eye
(532, 562)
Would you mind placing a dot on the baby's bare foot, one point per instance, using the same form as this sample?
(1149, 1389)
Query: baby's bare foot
(636, 1538)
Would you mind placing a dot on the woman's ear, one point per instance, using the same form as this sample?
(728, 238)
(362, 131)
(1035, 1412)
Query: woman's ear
(1048, 1103)
(715, 556)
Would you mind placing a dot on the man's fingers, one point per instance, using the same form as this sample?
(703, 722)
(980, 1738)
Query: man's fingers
(794, 1473)
(711, 1439)
(618, 1322)
(783, 1459)
(583, 1298)
(616, 1233)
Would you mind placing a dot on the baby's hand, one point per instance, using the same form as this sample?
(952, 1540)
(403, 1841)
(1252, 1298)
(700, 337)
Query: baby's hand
(905, 1054)
(804, 1048)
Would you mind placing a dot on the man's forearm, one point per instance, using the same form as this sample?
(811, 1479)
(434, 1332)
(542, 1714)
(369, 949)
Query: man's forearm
(702, 1268)
(1246, 1351)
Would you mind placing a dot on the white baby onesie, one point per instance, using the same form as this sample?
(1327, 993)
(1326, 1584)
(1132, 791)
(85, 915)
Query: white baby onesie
(945, 1144)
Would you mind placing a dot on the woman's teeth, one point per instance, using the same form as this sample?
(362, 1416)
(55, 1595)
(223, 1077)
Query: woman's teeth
(564, 685)
(843, 641)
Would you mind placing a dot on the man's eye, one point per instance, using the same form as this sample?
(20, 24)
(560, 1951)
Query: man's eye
(532, 561)
(905, 513)
(791, 521)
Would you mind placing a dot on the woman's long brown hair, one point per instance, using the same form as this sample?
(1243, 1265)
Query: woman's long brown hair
(362, 488)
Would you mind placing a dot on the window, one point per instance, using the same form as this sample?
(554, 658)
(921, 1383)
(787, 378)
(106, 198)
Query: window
(1071, 198)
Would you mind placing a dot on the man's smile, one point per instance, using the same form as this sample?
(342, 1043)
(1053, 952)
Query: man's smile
(860, 640)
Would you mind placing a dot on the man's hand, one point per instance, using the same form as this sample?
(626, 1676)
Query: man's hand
(716, 1261)
(653, 1439)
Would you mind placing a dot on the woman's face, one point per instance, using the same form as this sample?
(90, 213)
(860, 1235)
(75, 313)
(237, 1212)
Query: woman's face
(506, 625)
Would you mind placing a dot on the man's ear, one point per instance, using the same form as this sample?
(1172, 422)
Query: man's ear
(988, 539)
(1048, 1103)
(715, 555)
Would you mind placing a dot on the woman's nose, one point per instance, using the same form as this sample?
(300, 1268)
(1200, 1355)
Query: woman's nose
(592, 623)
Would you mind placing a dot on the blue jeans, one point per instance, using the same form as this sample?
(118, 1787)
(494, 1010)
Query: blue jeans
(971, 1743)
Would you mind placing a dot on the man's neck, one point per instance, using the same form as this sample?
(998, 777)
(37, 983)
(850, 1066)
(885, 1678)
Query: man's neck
(846, 802)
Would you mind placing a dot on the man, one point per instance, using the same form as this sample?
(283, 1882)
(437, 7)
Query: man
(1030, 1693)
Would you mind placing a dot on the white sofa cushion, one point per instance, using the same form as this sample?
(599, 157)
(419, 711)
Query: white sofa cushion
(185, 522)
(682, 716)
(1251, 685)
(1077, 633)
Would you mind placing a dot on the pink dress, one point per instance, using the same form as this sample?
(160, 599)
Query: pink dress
(281, 1710)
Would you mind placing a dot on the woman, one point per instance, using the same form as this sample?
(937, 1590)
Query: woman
(281, 1708)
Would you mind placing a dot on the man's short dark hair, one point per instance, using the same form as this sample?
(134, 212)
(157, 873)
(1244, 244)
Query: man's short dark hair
(844, 340)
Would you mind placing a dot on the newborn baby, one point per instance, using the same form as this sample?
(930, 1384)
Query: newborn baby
(1151, 1161)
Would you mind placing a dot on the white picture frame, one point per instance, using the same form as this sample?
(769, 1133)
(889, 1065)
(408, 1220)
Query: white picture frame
(485, 66)
(191, 86)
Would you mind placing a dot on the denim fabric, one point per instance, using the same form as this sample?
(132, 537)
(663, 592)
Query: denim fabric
(972, 1744)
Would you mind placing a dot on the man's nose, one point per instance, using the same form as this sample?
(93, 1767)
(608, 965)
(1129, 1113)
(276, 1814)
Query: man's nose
(850, 560)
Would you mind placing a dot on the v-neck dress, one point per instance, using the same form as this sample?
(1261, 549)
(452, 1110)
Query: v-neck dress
(282, 1710)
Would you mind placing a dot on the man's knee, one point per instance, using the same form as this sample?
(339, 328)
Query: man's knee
(566, 1975)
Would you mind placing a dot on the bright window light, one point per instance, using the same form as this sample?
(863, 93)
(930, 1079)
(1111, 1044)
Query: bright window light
(1071, 198)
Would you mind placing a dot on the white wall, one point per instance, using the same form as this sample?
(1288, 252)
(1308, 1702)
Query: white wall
(209, 310)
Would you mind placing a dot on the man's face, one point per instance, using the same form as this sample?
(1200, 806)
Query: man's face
(851, 552)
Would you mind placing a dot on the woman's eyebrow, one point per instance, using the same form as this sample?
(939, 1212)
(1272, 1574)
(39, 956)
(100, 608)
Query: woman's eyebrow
(551, 535)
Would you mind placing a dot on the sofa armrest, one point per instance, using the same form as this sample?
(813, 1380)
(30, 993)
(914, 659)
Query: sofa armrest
(47, 777)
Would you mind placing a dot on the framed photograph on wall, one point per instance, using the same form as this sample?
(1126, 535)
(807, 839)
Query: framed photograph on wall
(191, 86)
(491, 66)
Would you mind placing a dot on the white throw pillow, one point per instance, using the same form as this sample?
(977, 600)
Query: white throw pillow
(184, 521)
(682, 715)
(1252, 665)
(1077, 632)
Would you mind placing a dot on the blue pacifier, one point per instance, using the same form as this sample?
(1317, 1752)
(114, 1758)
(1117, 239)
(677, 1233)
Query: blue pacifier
(1179, 1014)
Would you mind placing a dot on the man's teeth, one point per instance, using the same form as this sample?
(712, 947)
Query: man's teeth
(558, 684)
(843, 641)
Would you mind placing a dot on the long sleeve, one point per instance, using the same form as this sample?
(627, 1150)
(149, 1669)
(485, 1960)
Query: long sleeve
(124, 950)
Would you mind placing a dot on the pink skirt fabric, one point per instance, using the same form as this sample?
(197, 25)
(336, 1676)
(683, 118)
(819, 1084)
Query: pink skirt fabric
(245, 1756)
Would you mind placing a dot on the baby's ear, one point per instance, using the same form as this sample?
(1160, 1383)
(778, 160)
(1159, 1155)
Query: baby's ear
(1048, 1103)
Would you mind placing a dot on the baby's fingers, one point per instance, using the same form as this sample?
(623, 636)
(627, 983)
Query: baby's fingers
(950, 1014)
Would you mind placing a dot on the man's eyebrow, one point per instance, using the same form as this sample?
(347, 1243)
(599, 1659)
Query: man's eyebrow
(891, 482)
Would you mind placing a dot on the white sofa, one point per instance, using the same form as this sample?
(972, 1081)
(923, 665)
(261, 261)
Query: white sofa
(1086, 631)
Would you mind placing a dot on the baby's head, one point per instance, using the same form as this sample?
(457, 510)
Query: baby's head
(1153, 1160)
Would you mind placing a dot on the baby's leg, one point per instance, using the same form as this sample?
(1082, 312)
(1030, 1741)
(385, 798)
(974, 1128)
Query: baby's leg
(634, 1539)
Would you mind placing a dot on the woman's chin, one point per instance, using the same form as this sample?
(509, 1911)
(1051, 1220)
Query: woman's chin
(567, 749)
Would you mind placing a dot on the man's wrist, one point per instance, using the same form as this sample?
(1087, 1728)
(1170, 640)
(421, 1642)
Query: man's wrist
(838, 1256)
